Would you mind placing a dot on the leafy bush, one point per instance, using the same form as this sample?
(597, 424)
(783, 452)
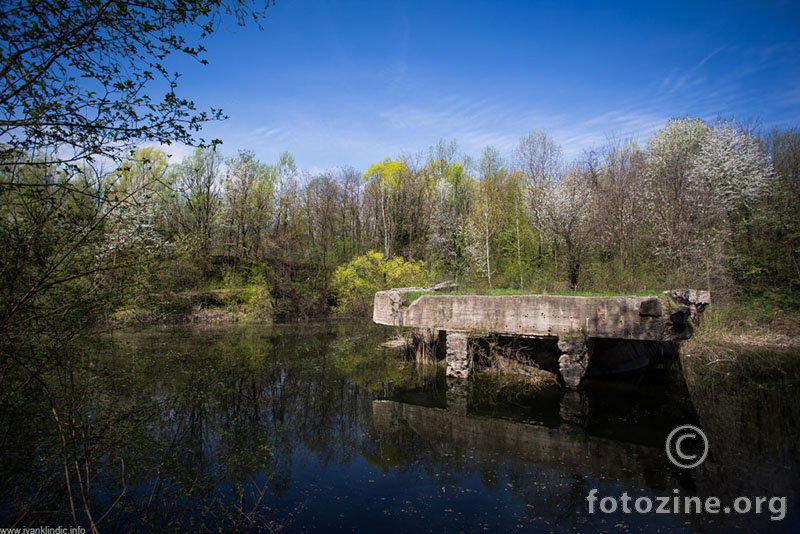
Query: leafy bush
(355, 283)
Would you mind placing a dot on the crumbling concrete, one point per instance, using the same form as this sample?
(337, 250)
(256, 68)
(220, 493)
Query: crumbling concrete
(575, 321)
(574, 359)
(459, 363)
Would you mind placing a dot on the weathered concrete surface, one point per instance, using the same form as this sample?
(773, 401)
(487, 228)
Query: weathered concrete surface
(574, 359)
(459, 364)
(387, 303)
(573, 320)
(533, 315)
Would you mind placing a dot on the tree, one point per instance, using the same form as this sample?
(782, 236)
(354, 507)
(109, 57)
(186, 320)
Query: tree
(449, 239)
(778, 227)
(146, 173)
(450, 200)
(286, 195)
(247, 196)
(66, 245)
(567, 219)
(197, 183)
(487, 215)
(668, 181)
(731, 175)
(139, 192)
(321, 205)
(705, 181)
(618, 218)
(539, 159)
(518, 238)
(352, 239)
(732, 164)
(386, 178)
(77, 78)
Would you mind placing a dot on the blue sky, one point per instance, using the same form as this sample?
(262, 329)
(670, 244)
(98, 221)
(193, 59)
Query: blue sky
(352, 82)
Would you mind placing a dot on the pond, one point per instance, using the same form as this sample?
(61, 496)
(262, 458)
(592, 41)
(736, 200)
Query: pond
(319, 428)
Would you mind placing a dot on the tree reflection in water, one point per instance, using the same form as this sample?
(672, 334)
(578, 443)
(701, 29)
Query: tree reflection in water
(317, 427)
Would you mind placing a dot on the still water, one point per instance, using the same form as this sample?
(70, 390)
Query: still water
(318, 428)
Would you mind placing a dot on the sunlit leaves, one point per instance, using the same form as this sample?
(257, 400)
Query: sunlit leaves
(82, 79)
(356, 282)
(389, 173)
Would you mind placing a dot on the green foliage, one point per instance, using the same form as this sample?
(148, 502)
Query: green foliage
(615, 275)
(449, 239)
(704, 206)
(387, 173)
(621, 221)
(80, 76)
(247, 201)
(70, 251)
(356, 282)
(247, 294)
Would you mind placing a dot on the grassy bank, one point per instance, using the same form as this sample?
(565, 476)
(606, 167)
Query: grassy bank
(245, 304)
(746, 340)
(757, 322)
(411, 296)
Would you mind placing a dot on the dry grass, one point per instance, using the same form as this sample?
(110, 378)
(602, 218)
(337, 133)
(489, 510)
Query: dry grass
(420, 345)
(741, 355)
(523, 372)
(747, 327)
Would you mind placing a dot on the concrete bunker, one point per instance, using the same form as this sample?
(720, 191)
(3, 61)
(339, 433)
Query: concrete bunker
(585, 330)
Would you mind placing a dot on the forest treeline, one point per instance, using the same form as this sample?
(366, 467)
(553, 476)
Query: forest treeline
(701, 205)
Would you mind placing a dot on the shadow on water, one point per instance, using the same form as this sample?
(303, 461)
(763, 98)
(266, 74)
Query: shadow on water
(316, 427)
(611, 435)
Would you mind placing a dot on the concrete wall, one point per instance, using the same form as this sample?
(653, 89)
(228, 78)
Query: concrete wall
(643, 318)
(575, 321)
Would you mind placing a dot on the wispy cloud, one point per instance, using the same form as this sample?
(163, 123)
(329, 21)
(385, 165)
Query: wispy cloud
(408, 114)
(621, 125)
(473, 123)
(345, 137)
(686, 79)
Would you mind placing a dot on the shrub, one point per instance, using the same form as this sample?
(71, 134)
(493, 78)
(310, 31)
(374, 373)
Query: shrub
(355, 283)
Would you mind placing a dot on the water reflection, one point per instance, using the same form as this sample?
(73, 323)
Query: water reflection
(317, 428)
